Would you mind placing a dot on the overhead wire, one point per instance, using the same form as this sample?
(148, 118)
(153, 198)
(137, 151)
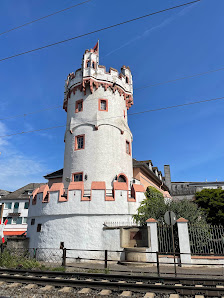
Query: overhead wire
(135, 89)
(98, 30)
(131, 114)
(44, 17)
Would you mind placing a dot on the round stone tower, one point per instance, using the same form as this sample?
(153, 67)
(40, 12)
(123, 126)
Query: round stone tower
(98, 141)
(97, 195)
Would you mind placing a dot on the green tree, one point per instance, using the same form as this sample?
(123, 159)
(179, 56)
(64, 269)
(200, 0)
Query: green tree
(212, 203)
(155, 206)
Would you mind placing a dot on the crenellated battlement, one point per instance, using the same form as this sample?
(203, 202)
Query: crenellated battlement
(94, 75)
(120, 191)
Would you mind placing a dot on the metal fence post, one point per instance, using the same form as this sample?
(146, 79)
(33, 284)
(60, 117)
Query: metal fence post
(64, 257)
(157, 263)
(105, 259)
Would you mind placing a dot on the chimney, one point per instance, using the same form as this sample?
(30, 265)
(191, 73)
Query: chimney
(167, 176)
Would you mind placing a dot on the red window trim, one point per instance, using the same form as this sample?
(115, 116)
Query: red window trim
(73, 174)
(76, 105)
(129, 144)
(76, 143)
(99, 105)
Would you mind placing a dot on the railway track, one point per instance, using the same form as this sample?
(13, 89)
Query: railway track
(134, 284)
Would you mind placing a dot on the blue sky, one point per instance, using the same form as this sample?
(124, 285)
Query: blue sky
(163, 47)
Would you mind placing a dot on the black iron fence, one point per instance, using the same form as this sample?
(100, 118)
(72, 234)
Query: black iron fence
(46, 258)
(206, 239)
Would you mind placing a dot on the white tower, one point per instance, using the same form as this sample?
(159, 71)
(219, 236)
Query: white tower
(97, 183)
(98, 141)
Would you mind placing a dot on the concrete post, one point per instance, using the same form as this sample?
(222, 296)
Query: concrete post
(184, 241)
(153, 239)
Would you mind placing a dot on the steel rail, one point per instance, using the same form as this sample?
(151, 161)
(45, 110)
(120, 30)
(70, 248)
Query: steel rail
(42, 279)
(136, 277)
(184, 290)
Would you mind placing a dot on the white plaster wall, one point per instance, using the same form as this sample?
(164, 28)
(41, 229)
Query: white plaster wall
(104, 155)
(79, 224)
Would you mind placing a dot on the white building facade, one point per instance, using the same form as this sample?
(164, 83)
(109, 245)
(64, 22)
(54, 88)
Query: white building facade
(97, 185)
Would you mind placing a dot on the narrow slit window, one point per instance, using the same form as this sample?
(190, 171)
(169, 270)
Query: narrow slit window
(39, 227)
(128, 148)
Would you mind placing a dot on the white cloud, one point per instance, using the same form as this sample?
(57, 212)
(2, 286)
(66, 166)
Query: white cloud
(16, 168)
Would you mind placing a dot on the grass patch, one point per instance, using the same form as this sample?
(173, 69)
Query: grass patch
(23, 261)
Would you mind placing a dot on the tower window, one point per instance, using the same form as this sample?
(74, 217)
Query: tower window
(79, 105)
(39, 227)
(77, 177)
(32, 221)
(122, 178)
(87, 63)
(128, 148)
(93, 64)
(80, 142)
(127, 80)
(103, 105)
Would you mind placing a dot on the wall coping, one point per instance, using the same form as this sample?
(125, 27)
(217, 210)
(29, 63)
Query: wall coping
(151, 220)
(182, 220)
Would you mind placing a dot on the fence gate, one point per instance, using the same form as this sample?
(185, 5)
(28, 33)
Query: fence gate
(165, 239)
(206, 239)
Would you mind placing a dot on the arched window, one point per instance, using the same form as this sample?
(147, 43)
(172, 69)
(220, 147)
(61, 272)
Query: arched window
(122, 178)
(87, 63)
(93, 64)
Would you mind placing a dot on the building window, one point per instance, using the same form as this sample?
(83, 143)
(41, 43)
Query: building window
(16, 206)
(93, 64)
(19, 220)
(128, 148)
(9, 220)
(77, 177)
(80, 142)
(79, 105)
(4, 219)
(127, 80)
(39, 227)
(26, 205)
(87, 63)
(32, 221)
(14, 219)
(8, 206)
(103, 105)
(24, 220)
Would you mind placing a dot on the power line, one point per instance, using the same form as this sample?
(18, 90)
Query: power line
(135, 89)
(178, 79)
(98, 30)
(131, 114)
(47, 16)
